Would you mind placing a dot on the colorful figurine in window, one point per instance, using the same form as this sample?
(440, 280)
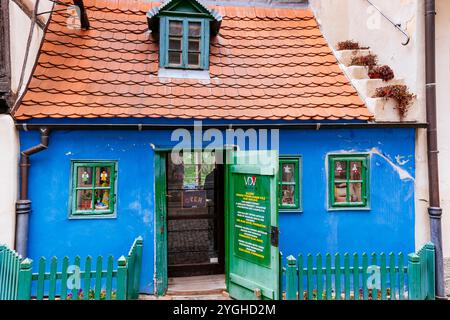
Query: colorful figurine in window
(85, 177)
(104, 176)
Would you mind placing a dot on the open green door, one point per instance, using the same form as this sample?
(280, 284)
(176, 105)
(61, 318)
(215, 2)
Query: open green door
(252, 225)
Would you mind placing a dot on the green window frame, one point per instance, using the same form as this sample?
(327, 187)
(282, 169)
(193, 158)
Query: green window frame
(348, 185)
(288, 181)
(189, 44)
(93, 192)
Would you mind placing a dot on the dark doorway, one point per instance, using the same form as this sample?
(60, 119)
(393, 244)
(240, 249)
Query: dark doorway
(195, 215)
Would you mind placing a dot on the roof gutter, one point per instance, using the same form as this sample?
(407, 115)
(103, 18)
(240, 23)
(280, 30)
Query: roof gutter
(141, 127)
(434, 209)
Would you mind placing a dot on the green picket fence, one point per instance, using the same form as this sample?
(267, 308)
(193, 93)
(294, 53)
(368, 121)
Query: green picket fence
(99, 279)
(9, 273)
(347, 277)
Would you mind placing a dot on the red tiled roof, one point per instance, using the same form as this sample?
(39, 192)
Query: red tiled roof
(266, 63)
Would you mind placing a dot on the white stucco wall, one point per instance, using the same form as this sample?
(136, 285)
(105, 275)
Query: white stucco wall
(9, 153)
(20, 25)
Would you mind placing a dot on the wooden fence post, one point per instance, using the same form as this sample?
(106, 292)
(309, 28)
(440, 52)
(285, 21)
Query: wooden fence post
(134, 269)
(291, 278)
(430, 261)
(414, 284)
(280, 277)
(122, 278)
(25, 273)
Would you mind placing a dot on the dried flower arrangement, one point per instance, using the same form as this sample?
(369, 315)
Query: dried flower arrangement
(401, 94)
(348, 45)
(369, 61)
(381, 72)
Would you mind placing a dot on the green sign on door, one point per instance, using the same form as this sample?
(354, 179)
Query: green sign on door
(252, 218)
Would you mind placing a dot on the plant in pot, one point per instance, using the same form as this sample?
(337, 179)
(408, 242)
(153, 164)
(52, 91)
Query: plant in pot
(348, 45)
(369, 61)
(401, 95)
(384, 73)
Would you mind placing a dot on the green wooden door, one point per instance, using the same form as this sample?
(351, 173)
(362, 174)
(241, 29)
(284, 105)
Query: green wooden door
(252, 252)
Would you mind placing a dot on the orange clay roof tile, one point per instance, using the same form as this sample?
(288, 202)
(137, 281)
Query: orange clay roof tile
(265, 63)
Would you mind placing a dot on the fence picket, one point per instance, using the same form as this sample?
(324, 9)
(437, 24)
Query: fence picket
(122, 278)
(87, 277)
(310, 281)
(337, 280)
(109, 275)
(300, 277)
(347, 276)
(392, 273)
(75, 289)
(356, 277)
(401, 276)
(374, 262)
(383, 275)
(64, 267)
(41, 278)
(52, 278)
(365, 266)
(319, 277)
(25, 278)
(98, 278)
(291, 278)
(329, 284)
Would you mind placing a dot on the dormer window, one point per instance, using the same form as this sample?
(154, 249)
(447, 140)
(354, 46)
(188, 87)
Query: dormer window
(187, 44)
(185, 28)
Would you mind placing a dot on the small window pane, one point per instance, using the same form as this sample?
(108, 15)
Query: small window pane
(288, 172)
(175, 44)
(194, 59)
(102, 200)
(175, 58)
(340, 170)
(355, 170)
(355, 192)
(340, 192)
(84, 200)
(194, 45)
(176, 28)
(102, 176)
(84, 175)
(194, 29)
(288, 195)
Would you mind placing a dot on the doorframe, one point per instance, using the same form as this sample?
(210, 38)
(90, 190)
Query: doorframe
(161, 281)
(160, 180)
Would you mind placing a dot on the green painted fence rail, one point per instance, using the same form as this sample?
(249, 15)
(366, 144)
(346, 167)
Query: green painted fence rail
(9, 273)
(360, 277)
(65, 279)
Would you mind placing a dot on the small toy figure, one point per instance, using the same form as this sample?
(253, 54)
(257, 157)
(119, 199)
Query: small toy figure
(103, 176)
(85, 177)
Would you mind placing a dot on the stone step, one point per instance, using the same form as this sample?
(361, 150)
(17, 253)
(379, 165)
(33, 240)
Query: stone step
(385, 110)
(367, 87)
(345, 56)
(355, 72)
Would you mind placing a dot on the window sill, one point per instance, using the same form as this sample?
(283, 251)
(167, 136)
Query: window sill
(290, 210)
(350, 209)
(92, 216)
(184, 74)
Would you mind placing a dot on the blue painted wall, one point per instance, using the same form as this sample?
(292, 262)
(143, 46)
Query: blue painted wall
(387, 226)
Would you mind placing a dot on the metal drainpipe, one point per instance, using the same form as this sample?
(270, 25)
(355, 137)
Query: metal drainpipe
(23, 205)
(434, 209)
